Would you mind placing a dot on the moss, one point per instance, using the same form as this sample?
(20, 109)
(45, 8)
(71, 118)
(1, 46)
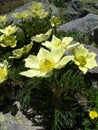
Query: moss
(11, 5)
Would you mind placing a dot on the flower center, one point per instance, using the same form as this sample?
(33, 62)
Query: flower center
(9, 30)
(47, 64)
(81, 60)
(57, 44)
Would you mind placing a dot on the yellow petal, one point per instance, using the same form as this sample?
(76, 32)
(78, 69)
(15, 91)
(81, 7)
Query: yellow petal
(30, 73)
(57, 54)
(80, 50)
(48, 44)
(63, 62)
(83, 69)
(31, 62)
(43, 53)
(67, 40)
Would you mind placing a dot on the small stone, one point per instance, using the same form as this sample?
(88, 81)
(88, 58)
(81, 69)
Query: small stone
(96, 6)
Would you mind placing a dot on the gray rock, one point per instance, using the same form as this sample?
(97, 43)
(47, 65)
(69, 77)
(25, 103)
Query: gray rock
(81, 24)
(17, 122)
(80, 8)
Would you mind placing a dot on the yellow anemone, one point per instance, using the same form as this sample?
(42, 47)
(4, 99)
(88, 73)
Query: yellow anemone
(37, 10)
(6, 41)
(56, 43)
(83, 59)
(55, 21)
(9, 30)
(18, 53)
(43, 64)
(42, 37)
(22, 15)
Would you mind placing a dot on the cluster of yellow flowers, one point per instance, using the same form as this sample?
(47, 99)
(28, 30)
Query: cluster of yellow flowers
(7, 38)
(52, 55)
(35, 10)
(93, 114)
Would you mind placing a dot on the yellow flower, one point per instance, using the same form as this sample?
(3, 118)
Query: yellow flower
(93, 114)
(18, 53)
(37, 10)
(6, 41)
(43, 64)
(3, 18)
(22, 15)
(36, 6)
(84, 59)
(42, 37)
(56, 43)
(3, 71)
(55, 21)
(9, 30)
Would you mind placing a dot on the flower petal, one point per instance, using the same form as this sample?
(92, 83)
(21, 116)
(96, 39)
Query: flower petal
(55, 39)
(43, 53)
(80, 50)
(32, 62)
(67, 40)
(30, 73)
(63, 61)
(72, 46)
(48, 44)
(57, 53)
(83, 69)
(91, 61)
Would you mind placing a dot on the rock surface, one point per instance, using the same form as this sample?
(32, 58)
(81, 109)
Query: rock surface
(17, 122)
(81, 24)
(80, 8)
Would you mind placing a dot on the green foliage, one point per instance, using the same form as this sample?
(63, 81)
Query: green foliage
(59, 106)
(82, 37)
(62, 119)
(59, 3)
